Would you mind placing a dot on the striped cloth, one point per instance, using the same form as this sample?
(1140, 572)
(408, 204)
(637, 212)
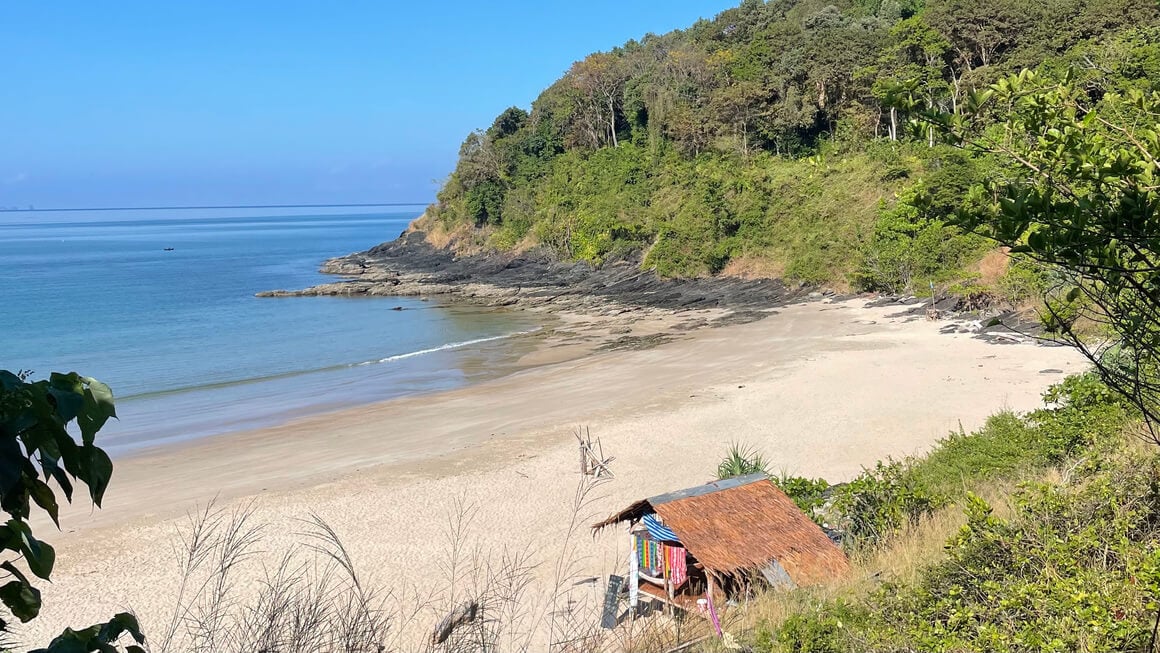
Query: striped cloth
(675, 561)
(658, 530)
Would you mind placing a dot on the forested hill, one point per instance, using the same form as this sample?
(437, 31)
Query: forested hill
(761, 142)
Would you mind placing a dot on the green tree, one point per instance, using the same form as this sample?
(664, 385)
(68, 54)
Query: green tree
(36, 448)
(1081, 195)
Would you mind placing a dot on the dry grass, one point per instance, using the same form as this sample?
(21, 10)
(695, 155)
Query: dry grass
(425, 223)
(992, 267)
(463, 239)
(750, 266)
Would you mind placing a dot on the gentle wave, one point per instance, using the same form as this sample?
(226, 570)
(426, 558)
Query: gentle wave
(330, 368)
(452, 345)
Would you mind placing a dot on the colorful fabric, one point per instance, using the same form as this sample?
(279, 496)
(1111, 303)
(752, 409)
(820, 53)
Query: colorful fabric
(659, 559)
(658, 530)
(650, 556)
(676, 565)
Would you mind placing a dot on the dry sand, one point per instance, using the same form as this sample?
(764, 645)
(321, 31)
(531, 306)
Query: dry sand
(822, 389)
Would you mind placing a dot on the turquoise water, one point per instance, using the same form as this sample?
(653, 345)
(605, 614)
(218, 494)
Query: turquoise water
(187, 348)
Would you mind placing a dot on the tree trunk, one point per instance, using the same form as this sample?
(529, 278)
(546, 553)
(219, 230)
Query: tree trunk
(957, 81)
(930, 129)
(612, 121)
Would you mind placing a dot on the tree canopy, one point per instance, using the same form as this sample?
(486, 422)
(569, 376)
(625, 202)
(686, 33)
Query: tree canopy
(706, 146)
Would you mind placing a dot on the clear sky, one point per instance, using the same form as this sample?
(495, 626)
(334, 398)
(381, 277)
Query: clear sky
(233, 101)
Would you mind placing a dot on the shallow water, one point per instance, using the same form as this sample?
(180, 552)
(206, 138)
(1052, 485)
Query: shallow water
(187, 347)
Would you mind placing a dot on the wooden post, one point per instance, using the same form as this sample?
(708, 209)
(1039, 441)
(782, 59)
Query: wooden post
(633, 578)
(712, 607)
(667, 577)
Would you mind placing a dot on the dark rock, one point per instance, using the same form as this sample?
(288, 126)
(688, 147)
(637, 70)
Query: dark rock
(636, 343)
(412, 266)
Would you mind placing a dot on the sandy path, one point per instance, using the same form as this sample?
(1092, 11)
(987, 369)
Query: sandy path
(822, 389)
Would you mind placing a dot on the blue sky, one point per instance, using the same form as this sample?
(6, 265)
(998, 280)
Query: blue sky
(210, 102)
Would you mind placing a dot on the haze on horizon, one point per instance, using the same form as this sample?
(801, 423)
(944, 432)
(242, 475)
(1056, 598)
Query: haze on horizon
(278, 102)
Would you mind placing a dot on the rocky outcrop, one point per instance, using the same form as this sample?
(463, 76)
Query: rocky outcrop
(412, 267)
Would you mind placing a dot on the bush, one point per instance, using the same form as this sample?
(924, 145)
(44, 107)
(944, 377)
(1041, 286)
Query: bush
(741, 460)
(808, 493)
(1077, 568)
(822, 631)
(1024, 281)
(882, 500)
(912, 247)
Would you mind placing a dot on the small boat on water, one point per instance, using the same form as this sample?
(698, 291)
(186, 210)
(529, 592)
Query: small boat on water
(169, 249)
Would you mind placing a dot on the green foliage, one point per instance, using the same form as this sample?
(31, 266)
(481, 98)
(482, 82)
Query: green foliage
(808, 493)
(1025, 281)
(1081, 196)
(772, 133)
(35, 448)
(819, 631)
(1083, 413)
(913, 245)
(882, 500)
(741, 461)
(101, 638)
(1075, 568)
(908, 250)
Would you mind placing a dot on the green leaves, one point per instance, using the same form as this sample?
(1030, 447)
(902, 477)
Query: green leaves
(36, 447)
(22, 599)
(100, 638)
(39, 556)
(1078, 195)
(98, 408)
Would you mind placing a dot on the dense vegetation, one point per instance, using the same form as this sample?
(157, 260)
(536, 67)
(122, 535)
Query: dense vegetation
(1072, 566)
(770, 140)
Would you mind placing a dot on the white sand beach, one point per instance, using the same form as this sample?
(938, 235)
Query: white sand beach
(821, 389)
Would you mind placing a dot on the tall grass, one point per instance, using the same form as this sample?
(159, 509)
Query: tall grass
(237, 597)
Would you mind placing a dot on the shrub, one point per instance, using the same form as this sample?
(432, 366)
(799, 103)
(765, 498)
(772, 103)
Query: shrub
(808, 493)
(823, 631)
(1076, 568)
(741, 460)
(882, 500)
(1024, 281)
(912, 247)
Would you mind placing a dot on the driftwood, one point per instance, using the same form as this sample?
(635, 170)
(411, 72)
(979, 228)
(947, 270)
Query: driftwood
(592, 460)
(464, 614)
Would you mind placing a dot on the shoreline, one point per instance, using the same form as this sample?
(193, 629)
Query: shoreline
(166, 418)
(823, 388)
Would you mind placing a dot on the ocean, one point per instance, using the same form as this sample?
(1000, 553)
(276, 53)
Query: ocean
(161, 307)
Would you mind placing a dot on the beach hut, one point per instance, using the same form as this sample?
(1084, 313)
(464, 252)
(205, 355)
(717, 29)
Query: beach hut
(694, 546)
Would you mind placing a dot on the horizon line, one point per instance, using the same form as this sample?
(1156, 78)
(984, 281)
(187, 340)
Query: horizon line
(31, 209)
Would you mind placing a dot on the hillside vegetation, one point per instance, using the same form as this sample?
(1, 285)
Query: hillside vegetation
(1035, 533)
(768, 141)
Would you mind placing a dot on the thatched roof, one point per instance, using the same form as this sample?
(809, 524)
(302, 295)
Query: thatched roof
(742, 524)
